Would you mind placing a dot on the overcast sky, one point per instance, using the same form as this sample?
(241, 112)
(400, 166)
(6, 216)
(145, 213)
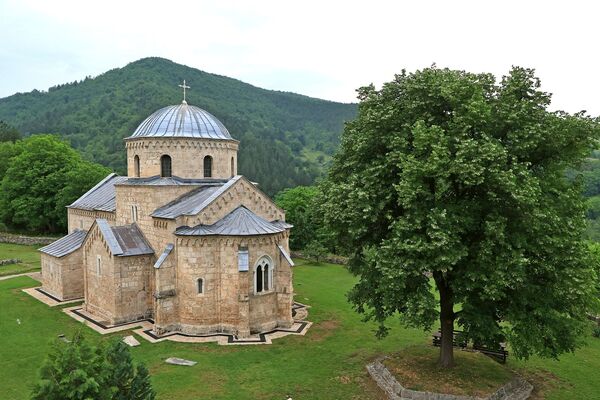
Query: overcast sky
(323, 48)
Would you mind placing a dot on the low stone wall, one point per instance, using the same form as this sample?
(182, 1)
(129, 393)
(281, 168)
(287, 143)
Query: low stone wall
(329, 258)
(517, 389)
(25, 240)
(10, 261)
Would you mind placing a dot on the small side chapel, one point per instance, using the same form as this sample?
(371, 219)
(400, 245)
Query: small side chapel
(182, 240)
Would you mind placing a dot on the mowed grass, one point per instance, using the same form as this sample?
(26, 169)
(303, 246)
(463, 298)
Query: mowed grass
(29, 256)
(328, 363)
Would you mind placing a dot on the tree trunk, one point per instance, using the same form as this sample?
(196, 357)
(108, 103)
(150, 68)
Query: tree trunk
(446, 359)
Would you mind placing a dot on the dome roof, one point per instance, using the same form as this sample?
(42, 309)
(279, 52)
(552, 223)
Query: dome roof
(182, 120)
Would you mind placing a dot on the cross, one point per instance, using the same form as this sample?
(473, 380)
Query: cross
(184, 87)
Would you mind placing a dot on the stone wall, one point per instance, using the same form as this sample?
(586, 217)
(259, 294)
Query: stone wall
(148, 198)
(187, 156)
(228, 302)
(121, 290)
(99, 286)
(25, 240)
(63, 277)
(134, 283)
(83, 219)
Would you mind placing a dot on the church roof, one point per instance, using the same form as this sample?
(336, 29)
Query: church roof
(239, 222)
(171, 181)
(124, 240)
(194, 201)
(65, 245)
(101, 197)
(182, 120)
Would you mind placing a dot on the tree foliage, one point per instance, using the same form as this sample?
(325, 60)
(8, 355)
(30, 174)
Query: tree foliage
(457, 175)
(8, 133)
(279, 132)
(39, 178)
(300, 211)
(77, 371)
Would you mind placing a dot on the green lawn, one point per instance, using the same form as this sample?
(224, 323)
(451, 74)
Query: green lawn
(29, 256)
(327, 363)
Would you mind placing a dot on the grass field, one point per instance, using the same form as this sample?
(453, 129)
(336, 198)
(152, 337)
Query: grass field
(327, 363)
(29, 256)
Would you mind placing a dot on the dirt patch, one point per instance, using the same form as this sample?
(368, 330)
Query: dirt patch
(322, 330)
(543, 382)
(474, 374)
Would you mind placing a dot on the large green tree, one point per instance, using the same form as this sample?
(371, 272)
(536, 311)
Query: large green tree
(43, 175)
(300, 211)
(456, 176)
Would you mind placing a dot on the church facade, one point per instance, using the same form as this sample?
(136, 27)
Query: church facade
(182, 240)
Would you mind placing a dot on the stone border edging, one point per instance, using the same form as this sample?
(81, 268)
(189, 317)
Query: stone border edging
(517, 389)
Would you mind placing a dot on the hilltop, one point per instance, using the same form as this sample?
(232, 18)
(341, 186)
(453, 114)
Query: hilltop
(286, 138)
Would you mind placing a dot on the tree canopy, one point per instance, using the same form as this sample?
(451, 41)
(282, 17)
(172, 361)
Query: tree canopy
(39, 177)
(300, 211)
(456, 176)
(75, 370)
(8, 133)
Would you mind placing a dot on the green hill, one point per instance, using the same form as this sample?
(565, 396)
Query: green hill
(285, 137)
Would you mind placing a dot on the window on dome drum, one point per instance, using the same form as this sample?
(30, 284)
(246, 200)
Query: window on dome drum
(136, 166)
(232, 167)
(208, 166)
(200, 285)
(263, 275)
(165, 166)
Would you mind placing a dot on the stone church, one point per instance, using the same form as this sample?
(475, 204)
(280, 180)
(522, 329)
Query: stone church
(182, 240)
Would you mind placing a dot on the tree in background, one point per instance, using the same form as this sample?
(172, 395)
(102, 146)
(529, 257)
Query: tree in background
(43, 175)
(75, 370)
(453, 174)
(300, 211)
(8, 133)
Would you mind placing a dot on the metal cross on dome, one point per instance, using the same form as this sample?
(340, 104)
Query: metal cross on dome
(184, 87)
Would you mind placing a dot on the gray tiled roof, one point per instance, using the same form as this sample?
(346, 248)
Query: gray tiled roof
(282, 224)
(182, 120)
(170, 181)
(65, 245)
(125, 240)
(285, 255)
(164, 255)
(239, 222)
(194, 201)
(101, 197)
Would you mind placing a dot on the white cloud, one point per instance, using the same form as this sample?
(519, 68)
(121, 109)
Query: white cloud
(320, 48)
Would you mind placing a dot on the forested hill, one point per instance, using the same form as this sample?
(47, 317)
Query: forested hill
(285, 137)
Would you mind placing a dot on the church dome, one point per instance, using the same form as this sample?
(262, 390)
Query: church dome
(182, 120)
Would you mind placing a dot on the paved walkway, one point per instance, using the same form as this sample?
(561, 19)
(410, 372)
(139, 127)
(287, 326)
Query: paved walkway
(34, 275)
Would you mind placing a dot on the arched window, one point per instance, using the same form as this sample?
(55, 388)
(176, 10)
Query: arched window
(232, 167)
(263, 275)
(136, 166)
(207, 166)
(200, 285)
(165, 166)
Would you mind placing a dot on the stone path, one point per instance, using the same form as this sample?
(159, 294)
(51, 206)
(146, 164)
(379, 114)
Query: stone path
(34, 275)
(144, 328)
(48, 299)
